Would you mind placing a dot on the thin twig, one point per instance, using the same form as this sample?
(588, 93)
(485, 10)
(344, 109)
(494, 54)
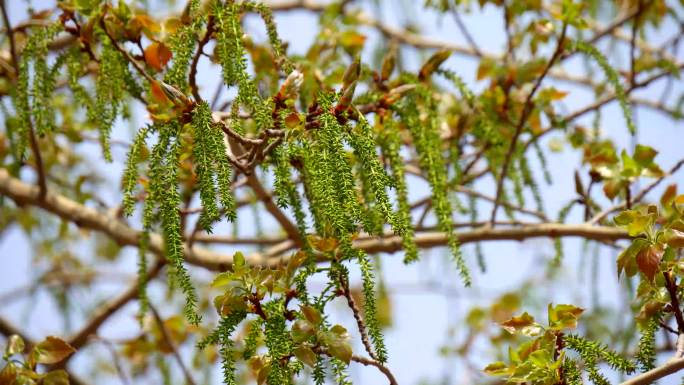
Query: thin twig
(169, 341)
(361, 325)
(195, 60)
(527, 110)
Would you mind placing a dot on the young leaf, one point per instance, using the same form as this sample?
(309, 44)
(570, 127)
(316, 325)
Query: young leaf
(52, 350)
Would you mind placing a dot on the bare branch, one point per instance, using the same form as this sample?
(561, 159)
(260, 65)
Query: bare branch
(670, 367)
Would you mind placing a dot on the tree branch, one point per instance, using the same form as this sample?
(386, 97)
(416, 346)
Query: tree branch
(528, 107)
(651, 376)
(89, 218)
(174, 349)
(105, 311)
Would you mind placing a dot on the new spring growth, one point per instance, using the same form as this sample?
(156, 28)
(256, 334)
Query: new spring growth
(290, 87)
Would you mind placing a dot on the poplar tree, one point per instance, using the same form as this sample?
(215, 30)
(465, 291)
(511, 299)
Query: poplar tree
(260, 188)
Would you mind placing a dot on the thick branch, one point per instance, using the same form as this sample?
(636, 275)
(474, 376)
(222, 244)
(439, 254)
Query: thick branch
(651, 376)
(89, 218)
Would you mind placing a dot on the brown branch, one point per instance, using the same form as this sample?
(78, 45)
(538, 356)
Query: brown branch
(361, 325)
(86, 217)
(40, 169)
(169, 341)
(105, 311)
(229, 240)
(601, 102)
(527, 110)
(671, 286)
(290, 228)
(464, 31)
(31, 132)
(382, 368)
(125, 53)
(670, 367)
(366, 362)
(195, 60)
(10, 36)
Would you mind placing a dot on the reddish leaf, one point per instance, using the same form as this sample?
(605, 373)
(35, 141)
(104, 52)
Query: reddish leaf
(669, 195)
(157, 55)
(648, 260)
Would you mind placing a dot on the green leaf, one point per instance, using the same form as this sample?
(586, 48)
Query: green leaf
(312, 314)
(306, 355)
(340, 349)
(238, 260)
(15, 345)
(644, 155)
(302, 330)
(223, 279)
(626, 260)
(497, 369)
(56, 377)
(563, 316)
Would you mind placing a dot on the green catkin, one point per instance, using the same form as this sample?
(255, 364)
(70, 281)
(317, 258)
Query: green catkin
(646, 355)
(155, 167)
(222, 335)
(143, 279)
(252, 339)
(460, 84)
(369, 303)
(164, 370)
(529, 181)
(44, 82)
(212, 167)
(391, 144)
(204, 168)
(286, 192)
(109, 92)
(338, 172)
(518, 183)
(318, 372)
(131, 173)
(315, 192)
(75, 66)
(571, 373)
(22, 105)
(182, 44)
(339, 372)
(276, 44)
(592, 352)
(278, 342)
(361, 140)
(472, 208)
(171, 223)
(542, 162)
(32, 99)
(232, 57)
(426, 139)
(613, 78)
(373, 221)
